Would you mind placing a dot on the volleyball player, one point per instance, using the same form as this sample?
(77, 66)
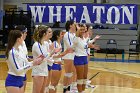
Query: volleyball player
(40, 73)
(87, 37)
(50, 48)
(17, 63)
(56, 67)
(69, 75)
(81, 57)
(23, 47)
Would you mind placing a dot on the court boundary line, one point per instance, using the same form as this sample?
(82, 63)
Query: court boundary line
(124, 72)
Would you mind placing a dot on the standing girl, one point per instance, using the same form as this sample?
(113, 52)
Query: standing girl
(69, 75)
(87, 37)
(81, 57)
(23, 47)
(56, 67)
(40, 73)
(16, 61)
(50, 48)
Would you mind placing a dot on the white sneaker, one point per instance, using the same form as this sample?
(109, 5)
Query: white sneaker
(73, 89)
(90, 86)
(88, 82)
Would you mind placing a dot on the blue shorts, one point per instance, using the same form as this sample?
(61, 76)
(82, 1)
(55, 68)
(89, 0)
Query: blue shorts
(25, 78)
(80, 60)
(56, 67)
(49, 68)
(15, 81)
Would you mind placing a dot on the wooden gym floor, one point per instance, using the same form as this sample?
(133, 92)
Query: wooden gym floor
(108, 77)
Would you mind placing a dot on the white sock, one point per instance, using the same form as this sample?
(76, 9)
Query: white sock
(46, 90)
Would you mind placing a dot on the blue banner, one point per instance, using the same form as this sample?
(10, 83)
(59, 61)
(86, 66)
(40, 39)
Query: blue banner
(84, 13)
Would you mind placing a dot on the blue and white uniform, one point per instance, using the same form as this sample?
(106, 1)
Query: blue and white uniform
(81, 51)
(18, 66)
(68, 42)
(42, 69)
(57, 66)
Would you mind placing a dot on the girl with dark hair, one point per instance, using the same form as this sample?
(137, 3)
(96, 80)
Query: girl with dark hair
(23, 47)
(69, 76)
(56, 67)
(16, 61)
(81, 57)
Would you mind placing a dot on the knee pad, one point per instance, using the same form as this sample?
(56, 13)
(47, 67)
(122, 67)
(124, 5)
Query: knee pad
(69, 75)
(82, 92)
(74, 84)
(85, 81)
(80, 81)
(46, 89)
(52, 87)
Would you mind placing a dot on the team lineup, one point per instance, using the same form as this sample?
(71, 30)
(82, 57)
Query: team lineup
(48, 55)
(69, 46)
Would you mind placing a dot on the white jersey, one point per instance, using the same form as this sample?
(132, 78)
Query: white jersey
(68, 42)
(38, 49)
(56, 45)
(23, 48)
(48, 43)
(80, 47)
(18, 63)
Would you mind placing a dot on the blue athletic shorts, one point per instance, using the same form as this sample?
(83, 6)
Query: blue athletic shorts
(56, 67)
(15, 81)
(49, 68)
(80, 60)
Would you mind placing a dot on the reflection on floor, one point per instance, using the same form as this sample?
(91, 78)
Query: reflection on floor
(108, 77)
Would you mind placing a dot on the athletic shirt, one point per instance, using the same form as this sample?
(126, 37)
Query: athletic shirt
(80, 46)
(42, 69)
(68, 42)
(48, 43)
(18, 64)
(23, 48)
(56, 45)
